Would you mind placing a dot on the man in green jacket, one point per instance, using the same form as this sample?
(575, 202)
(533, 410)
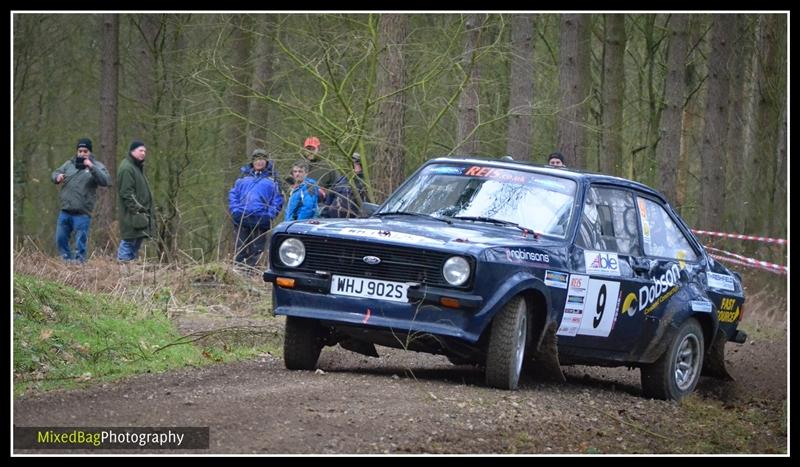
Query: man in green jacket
(78, 178)
(135, 200)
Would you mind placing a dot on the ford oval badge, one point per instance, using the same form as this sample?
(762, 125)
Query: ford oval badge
(371, 259)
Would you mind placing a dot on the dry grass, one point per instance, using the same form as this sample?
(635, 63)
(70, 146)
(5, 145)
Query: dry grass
(176, 288)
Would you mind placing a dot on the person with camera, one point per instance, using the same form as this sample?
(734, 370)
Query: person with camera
(135, 200)
(78, 179)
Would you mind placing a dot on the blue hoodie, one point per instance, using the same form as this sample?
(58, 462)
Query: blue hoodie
(303, 201)
(254, 199)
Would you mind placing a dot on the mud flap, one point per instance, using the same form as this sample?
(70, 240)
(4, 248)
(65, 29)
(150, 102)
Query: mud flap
(714, 361)
(361, 347)
(543, 363)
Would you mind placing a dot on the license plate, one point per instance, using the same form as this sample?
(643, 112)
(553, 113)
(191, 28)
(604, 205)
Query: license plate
(369, 288)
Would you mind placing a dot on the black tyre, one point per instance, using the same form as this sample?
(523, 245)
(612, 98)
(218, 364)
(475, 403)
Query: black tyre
(302, 343)
(676, 373)
(507, 341)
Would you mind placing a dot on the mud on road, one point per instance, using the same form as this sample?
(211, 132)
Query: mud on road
(407, 402)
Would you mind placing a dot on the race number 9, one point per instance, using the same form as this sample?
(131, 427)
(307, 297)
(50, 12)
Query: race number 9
(601, 305)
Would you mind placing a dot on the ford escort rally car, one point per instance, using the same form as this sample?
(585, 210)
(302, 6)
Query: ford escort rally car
(502, 264)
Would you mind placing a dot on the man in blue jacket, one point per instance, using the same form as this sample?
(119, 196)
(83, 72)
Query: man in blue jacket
(253, 202)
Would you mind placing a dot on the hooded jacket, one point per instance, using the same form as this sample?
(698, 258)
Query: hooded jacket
(135, 200)
(254, 199)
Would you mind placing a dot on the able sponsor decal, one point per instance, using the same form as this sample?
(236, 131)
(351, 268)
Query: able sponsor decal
(601, 262)
(720, 281)
(516, 255)
(387, 234)
(555, 279)
(728, 310)
(663, 288)
(701, 306)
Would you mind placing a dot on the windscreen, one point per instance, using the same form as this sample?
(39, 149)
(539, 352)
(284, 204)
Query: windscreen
(535, 201)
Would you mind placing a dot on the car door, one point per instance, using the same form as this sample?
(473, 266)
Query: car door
(606, 240)
(669, 264)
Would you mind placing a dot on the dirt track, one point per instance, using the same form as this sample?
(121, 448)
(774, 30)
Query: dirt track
(408, 402)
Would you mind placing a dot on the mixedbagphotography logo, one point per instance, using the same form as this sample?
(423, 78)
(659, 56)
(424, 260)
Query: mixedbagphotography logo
(111, 437)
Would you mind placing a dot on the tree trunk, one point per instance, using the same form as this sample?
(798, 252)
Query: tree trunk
(520, 102)
(613, 93)
(574, 87)
(109, 85)
(258, 112)
(469, 99)
(237, 123)
(716, 122)
(669, 148)
(391, 78)
(735, 177)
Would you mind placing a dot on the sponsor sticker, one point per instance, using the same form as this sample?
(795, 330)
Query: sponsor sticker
(601, 262)
(728, 310)
(525, 255)
(701, 306)
(555, 279)
(447, 170)
(572, 317)
(720, 281)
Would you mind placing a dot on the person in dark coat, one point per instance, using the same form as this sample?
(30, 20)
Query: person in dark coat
(347, 196)
(135, 200)
(254, 201)
(78, 179)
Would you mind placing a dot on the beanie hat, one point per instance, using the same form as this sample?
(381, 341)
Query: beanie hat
(85, 143)
(135, 144)
(356, 157)
(259, 154)
(311, 141)
(556, 155)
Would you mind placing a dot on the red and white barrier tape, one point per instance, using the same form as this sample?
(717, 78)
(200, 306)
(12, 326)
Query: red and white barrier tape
(779, 241)
(742, 263)
(745, 261)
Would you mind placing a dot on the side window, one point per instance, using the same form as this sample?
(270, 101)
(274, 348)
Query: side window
(608, 222)
(660, 234)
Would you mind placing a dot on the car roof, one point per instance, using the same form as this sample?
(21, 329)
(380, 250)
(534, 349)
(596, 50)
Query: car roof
(577, 175)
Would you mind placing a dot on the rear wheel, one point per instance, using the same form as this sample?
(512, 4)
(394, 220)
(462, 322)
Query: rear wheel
(676, 373)
(507, 341)
(302, 343)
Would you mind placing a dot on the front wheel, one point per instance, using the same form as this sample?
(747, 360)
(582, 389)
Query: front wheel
(302, 343)
(676, 373)
(507, 341)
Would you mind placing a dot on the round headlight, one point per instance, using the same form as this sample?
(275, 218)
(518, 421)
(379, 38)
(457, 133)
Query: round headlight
(456, 270)
(292, 252)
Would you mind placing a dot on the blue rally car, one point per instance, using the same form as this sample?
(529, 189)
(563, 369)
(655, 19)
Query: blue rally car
(502, 264)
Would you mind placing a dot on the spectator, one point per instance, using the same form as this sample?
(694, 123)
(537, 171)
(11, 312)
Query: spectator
(136, 219)
(319, 170)
(254, 201)
(346, 196)
(78, 178)
(556, 159)
(304, 195)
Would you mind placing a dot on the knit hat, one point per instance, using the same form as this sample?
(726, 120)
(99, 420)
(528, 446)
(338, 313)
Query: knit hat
(85, 143)
(556, 155)
(135, 145)
(259, 154)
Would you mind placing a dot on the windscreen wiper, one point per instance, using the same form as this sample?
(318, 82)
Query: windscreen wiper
(498, 222)
(417, 214)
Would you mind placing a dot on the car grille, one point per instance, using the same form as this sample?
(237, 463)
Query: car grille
(345, 257)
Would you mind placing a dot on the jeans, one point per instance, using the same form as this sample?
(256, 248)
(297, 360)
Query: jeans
(128, 249)
(67, 223)
(250, 242)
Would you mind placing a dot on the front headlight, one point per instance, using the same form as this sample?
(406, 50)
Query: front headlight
(456, 270)
(292, 252)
